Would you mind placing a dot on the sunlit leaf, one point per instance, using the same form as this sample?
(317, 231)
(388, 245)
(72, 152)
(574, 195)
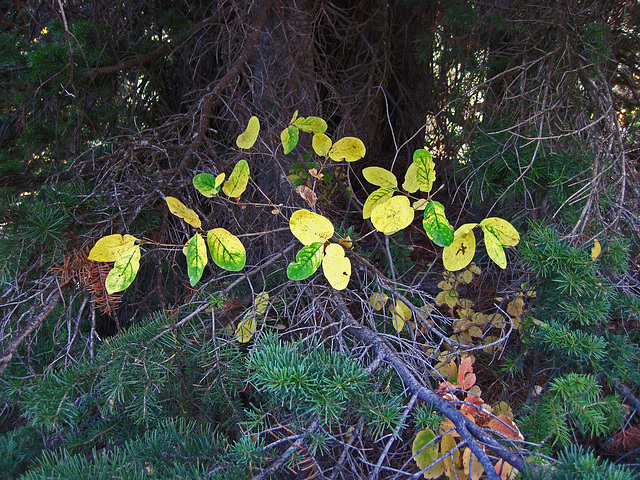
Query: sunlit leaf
(226, 249)
(473, 470)
(380, 176)
(336, 267)
(237, 182)
(308, 259)
(111, 247)
(196, 253)
(207, 184)
(393, 215)
(321, 144)
(310, 227)
(181, 211)
(425, 169)
(504, 232)
(124, 271)
(311, 124)
(461, 251)
(436, 225)
(247, 138)
(423, 456)
(289, 138)
(596, 249)
(347, 148)
(377, 197)
(411, 184)
(400, 314)
(494, 249)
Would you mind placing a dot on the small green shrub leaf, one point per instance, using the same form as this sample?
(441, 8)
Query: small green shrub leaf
(226, 249)
(393, 215)
(237, 183)
(425, 169)
(247, 138)
(380, 176)
(196, 252)
(377, 197)
(207, 184)
(289, 138)
(308, 259)
(436, 225)
(347, 148)
(124, 271)
(311, 124)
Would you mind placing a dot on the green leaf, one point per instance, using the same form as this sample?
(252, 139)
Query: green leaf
(377, 197)
(494, 249)
(380, 176)
(393, 215)
(237, 183)
(436, 225)
(461, 251)
(226, 249)
(424, 455)
(124, 271)
(347, 148)
(310, 227)
(247, 138)
(289, 138)
(425, 169)
(308, 259)
(311, 124)
(196, 252)
(207, 184)
(321, 144)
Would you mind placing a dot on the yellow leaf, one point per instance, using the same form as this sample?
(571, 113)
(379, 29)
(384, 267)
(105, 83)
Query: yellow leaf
(460, 253)
(504, 232)
(111, 247)
(494, 249)
(237, 182)
(420, 204)
(246, 328)
(400, 315)
(336, 267)
(596, 249)
(124, 271)
(411, 183)
(181, 211)
(472, 467)
(506, 471)
(393, 215)
(452, 464)
(377, 197)
(378, 300)
(347, 148)
(247, 138)
(380, 177)
(309, 227)
(425, 451)
(321, 144)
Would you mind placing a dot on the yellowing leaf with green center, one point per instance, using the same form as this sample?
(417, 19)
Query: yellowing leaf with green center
(310, 227)
(436, 225)
(494, 249)
(308, 259)
(207, 184)
(393, 215)
(596, 250)
(289, 138)
(181, 211)
(347, 148)
(425, 169)
(461, 251)
(336, 267)
(321, 144)
(472, 468)
(247, 138)
(111, 247)
(380, 176)
(377, 197)
(425, 451)
(124, 271)
(378, 300)
(411, 184)
(400, 315)
(237, 182)
(311, 124)
(226, 249)
(504, 232)
(196, 253)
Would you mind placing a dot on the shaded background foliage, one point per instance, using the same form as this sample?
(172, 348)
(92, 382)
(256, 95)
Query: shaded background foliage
(530, 110)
